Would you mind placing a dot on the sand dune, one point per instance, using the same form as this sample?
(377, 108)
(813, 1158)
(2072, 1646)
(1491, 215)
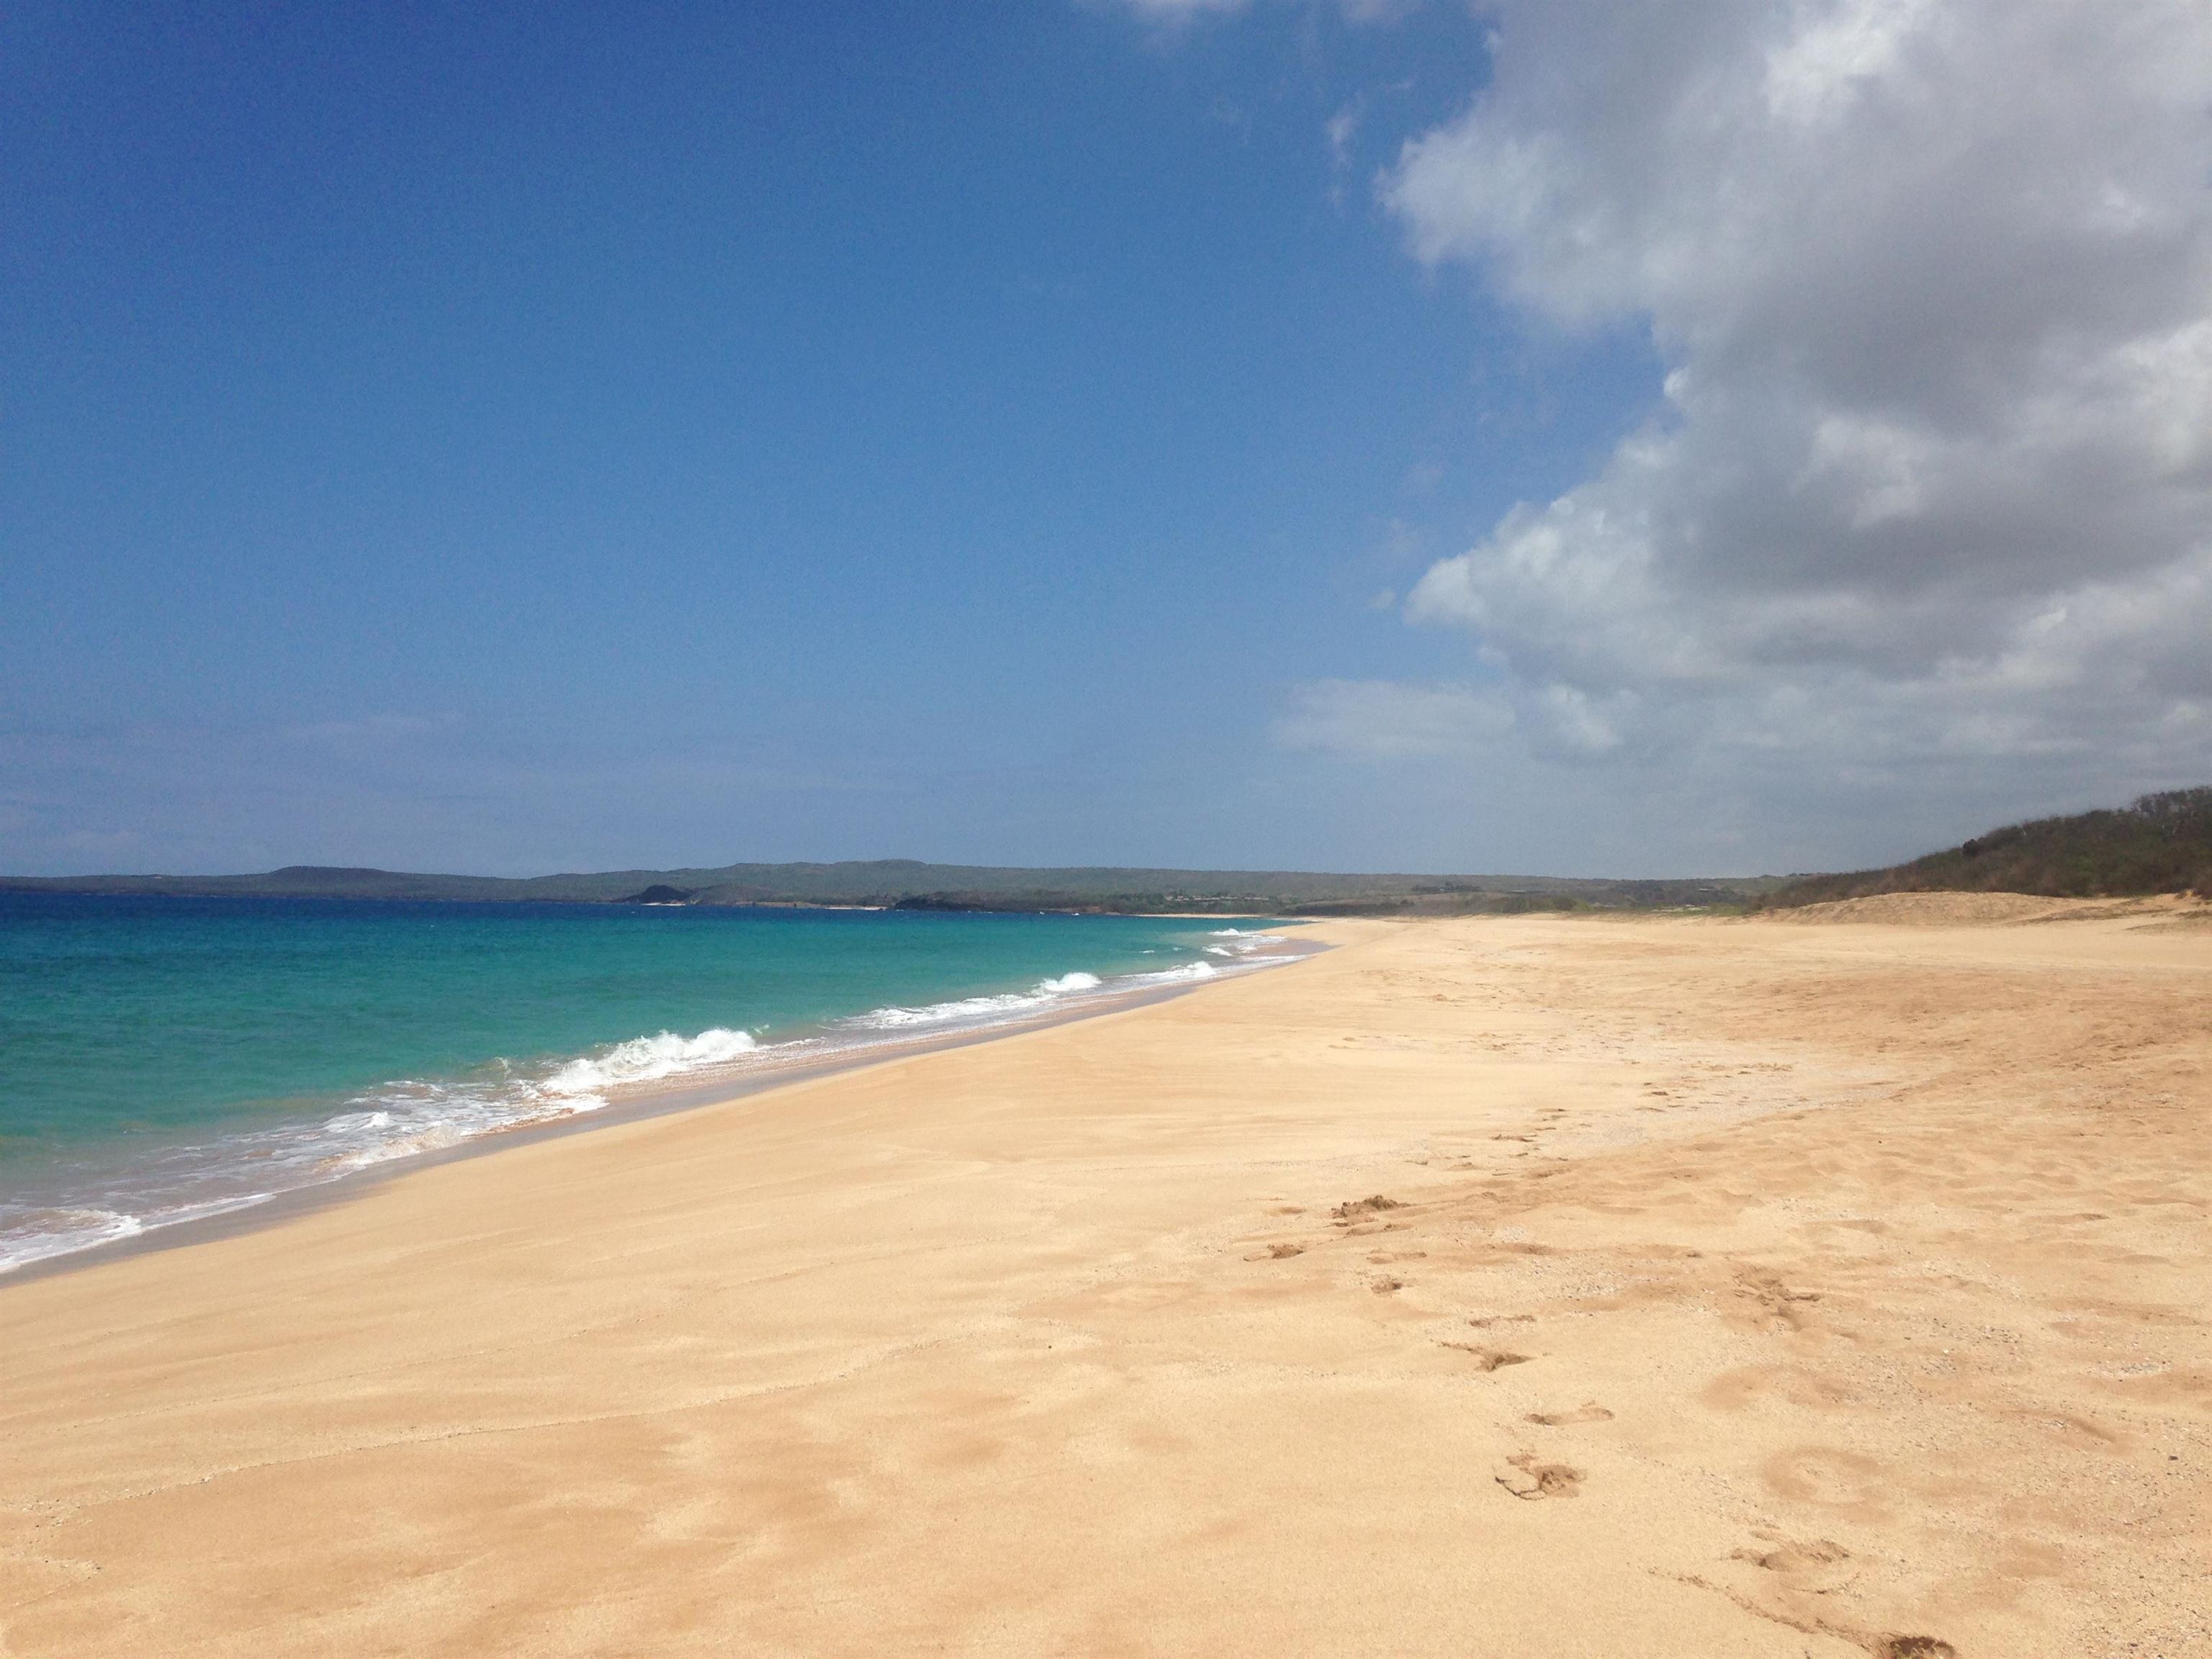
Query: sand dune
(1498, 1288)
(1981, 909)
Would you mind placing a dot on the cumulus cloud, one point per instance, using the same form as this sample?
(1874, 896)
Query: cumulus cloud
(1932, 479)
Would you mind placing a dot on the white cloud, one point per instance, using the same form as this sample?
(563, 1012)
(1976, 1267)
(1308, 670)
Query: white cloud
(1341, 128)
(1173, 12)
(1177, 11)
(1933, 477)
(1384, 720)
(1395, 719)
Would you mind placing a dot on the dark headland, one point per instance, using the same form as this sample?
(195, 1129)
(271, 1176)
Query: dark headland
(2159, 843)
(905, 883)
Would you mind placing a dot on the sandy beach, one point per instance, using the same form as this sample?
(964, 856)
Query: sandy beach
(1498, 1287)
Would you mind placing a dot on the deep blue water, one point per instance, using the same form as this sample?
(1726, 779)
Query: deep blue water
(161, 1058)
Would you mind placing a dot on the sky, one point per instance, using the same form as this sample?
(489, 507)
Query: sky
(1601, 439)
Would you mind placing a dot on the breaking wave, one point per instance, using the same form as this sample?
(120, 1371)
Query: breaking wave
(410, 1117)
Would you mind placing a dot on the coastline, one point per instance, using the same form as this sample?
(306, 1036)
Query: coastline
(1675, 1286)
(763, 1071)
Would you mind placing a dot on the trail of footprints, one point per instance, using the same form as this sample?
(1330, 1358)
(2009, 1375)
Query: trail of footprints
(1816, 1567)
(1526, 1475)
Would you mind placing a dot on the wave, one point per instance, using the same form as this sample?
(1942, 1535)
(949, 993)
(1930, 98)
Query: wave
(405, 1118)
(1188, 972)
(643, 1060)
(1246, 944)
(410, 1117)
(974, 1009)
(40, 1234)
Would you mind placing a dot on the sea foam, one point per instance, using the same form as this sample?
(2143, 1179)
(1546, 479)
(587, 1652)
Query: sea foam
(582, 1083)
(979, 1009)
(40, 1234)
(410, 1117)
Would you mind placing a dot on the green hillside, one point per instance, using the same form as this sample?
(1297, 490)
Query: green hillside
(906, 884)
(2160, 843)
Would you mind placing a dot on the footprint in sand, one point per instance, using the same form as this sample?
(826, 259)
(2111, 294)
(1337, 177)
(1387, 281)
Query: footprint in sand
(1829, 1476)
(1358, 1209)
(1819, 1567)
(1278, 1253)
(1489, 1359)
(1784, 1555)
(1589, 1411)
(1526, 1479)
(1779, 1307)
(1915, 1647)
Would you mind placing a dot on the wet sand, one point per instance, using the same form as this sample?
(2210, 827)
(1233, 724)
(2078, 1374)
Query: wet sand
(1758, 1288)
(775, 1066)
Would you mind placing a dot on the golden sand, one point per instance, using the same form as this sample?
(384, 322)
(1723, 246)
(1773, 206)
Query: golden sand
(1505, 1287)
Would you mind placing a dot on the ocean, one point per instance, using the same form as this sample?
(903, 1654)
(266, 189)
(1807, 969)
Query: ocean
(163, 1059)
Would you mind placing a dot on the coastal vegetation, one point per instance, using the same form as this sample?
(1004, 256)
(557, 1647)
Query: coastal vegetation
(2159, 843)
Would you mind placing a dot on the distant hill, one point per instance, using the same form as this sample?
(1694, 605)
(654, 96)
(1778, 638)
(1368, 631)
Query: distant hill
(902, 883)
(2158, 844)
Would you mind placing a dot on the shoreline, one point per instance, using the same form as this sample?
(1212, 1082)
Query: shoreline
(645, 1102)
(1665, 1286)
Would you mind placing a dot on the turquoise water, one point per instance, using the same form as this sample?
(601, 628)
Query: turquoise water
(162, 1058)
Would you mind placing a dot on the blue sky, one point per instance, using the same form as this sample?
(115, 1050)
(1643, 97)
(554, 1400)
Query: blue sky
(513, 439)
